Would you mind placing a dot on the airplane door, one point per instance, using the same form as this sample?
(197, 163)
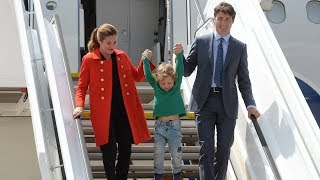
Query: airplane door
(136, 22)
(117, 14)
(144, 15)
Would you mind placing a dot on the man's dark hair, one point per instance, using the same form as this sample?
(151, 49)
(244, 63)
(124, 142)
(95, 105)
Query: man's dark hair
(225, 8)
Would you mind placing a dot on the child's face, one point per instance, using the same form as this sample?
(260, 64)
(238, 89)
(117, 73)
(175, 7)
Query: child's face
(166, 83)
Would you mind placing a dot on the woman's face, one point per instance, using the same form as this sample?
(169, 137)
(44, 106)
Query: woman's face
(108, 44)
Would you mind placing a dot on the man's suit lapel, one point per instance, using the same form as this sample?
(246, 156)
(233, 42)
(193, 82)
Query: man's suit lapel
(210, 50)
(229, 53)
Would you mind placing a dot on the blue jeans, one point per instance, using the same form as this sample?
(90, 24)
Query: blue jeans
(167, 132)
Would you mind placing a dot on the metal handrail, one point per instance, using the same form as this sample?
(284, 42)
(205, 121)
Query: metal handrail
(265, 148)
(196, 2)
(48, 156)
(195, 33)
(199, 9)
(56, 21)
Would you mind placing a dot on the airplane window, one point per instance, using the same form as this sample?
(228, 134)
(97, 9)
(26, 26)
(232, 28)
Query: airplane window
(277, 14)
(51, 5)
(313, 11)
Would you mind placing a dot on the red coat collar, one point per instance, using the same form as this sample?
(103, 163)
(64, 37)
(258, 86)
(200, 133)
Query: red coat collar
(96, 53)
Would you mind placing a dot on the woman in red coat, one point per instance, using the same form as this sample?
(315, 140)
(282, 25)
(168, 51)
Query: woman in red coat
(116, 112)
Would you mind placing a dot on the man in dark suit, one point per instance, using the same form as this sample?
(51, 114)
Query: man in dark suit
(221, 60)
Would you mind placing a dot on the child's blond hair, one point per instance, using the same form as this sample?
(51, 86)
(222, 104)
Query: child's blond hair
(165, 70)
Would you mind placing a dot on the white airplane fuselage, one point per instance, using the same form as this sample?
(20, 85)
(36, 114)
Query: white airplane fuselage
(291, 23)
(296, 27)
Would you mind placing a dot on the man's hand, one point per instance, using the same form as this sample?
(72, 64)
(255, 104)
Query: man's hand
(77, 112)
(253, 111)
(177, 48)
(147, 53)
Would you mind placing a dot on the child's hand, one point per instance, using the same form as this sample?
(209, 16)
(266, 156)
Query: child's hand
(147, 53)
(177, 48)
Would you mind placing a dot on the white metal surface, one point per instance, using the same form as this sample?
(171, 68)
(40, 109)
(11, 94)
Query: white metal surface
(70, 144)
(39, 100)
(287, 123)
(70, 91)
(299, 39)
(292, 142)
(70, 23)
(11, 66)
(285, 109)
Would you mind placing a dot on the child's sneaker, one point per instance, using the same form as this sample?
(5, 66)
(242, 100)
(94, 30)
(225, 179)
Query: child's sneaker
(157, 176)
(177, 176)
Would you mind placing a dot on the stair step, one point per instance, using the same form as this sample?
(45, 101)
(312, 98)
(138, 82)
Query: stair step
(149, 149)
(145, 95)
(149, 168)
(145, 91)
(146, 106)
(75, 77)
(148, 114)
(185, 139)
(185, 131)
(148, 174)
(146, 156)
(142, 88)
(185, 123)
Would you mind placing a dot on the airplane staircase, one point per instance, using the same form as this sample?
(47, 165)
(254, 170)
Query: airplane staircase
(69, 152)
(142, 154)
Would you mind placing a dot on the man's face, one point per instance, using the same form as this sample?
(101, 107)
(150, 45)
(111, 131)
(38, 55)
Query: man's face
(223, 23)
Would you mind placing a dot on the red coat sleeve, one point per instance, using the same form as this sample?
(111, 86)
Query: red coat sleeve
(83, 82)
(138, 73)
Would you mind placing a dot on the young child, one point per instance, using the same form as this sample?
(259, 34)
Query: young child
(168, 108)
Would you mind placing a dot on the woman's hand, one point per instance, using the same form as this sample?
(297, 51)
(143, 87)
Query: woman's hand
(147, 53)
(177, 48)
(77, 112)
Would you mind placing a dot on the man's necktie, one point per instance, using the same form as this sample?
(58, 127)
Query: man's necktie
(219, 65)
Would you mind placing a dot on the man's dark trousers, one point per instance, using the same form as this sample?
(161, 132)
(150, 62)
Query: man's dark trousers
(213, 163)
